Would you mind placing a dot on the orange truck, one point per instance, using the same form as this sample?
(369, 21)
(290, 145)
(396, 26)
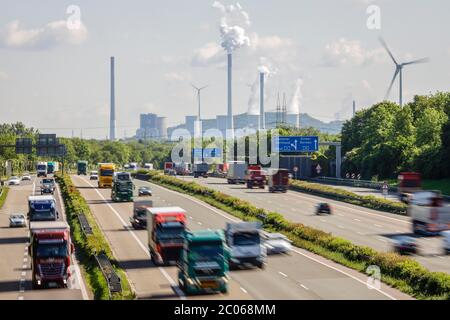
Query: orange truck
(254, 176)
(165, 229)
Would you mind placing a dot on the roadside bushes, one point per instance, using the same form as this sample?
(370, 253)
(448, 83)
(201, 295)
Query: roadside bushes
(399, 271)
(349, 197)
(87, 246)
(3, 195)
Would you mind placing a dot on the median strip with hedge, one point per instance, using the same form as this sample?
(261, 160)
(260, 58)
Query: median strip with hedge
(371, 202)
(87, 246)
(398, 271)
(3, 194)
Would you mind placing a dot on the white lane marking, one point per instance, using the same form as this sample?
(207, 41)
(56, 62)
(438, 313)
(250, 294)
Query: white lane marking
(323, 220)
(341, 226)
(24, 266)
(294, 250)
(243, 290)
(190, 217)
(382, 239)
(283, 274)
(359, 232)
(293, 209)
(77, 273)
(398, 231)
(377, 225)
(341, 215)
(20, 298)
(141, 245)
(25, 253)
(23, 274)
(357, 220)
(303, 286)
(199, 223)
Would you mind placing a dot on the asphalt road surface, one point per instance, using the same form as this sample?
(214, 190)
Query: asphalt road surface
(360, 225)
(300, 275)
(15, 264)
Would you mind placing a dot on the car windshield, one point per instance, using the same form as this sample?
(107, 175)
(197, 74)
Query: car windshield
(107, 172)
(206, 250)
(143, 189)
(48, 181)
(14, 178)
(141, 213)
(48, 250)
(17, 216)
(93, 172)
(246, 238)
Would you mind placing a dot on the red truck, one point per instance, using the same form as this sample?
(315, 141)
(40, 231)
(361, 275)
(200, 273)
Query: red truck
(408, 183)
(278, 180)
(254, 176)
(165, 229)
(168, 166)
(50, 250)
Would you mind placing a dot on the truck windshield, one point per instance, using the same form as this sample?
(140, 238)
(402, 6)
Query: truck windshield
(206, 250)
(42, 215)
(50, 250)
(123, 177)
(106, 172)
(41, 167)
(169, 232)
(246, 238)
(124, 186)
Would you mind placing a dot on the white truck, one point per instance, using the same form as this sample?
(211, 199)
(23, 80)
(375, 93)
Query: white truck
(41, 169)
(246, 244)
(236, 172)
(429, 213)
(148, 166)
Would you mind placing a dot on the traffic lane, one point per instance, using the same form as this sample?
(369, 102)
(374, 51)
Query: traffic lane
(141, 263)
(327, 271)
(359, 225)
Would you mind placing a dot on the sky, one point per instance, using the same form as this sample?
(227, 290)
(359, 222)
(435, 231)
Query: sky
(323, 54)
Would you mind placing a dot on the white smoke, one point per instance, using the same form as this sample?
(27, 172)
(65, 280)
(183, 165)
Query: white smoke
(232, 33)
(253, 101)
(294, 107)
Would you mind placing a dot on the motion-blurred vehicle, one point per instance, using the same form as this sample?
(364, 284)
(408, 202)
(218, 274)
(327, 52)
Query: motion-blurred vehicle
(93, 175)
(246, 247)
(236, 172)
(404, 245)
(14, 181)
(446, 241)
(408, 183)
(254, 176)
(200, 169)
(168, 166)
(144, 191)
(17, 220)
(276, 243)
(203, 266)
(278, 180)
(148, 166)
(48, 185)
(26, 177)
(139, 218)
(323, 208)
(171, 172)
(182, 168)
(429, 214)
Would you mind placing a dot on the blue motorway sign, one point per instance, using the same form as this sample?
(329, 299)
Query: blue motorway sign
(295, 144)
(207, 153)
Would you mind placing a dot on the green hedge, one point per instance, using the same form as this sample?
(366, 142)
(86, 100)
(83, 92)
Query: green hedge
(399, 271)
(3, 195)
(88, 246)
(371, 202)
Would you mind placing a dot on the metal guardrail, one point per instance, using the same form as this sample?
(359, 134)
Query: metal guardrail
(85, 227)
(352, 183)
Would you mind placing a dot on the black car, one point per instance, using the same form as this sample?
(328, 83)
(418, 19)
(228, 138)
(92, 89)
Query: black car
(144, 191)
(323, 208)
(405, 245)
(139, 219)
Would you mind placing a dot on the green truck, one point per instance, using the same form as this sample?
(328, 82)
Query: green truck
(122, 187)
(82, 167)
(203, 265)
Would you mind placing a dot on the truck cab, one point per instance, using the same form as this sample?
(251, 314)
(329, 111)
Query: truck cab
(48, 185)
(165, 229)
(82, 167)
(122, 188)
(278, 180)
(254, 176)
(245, 242)
(429, 214)
(41, 169)
(50, 250)
(203, 266)
(105, 175)
(42, 208)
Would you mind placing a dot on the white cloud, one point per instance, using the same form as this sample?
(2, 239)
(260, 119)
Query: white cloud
(350, 52)
(3, 76)
(272, 42)
(177, 76)
(209, 54)
(16, 36)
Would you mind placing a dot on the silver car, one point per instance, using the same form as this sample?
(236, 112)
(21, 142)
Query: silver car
(277, 243)
(14, 181)
(17, 220)
(26, 176)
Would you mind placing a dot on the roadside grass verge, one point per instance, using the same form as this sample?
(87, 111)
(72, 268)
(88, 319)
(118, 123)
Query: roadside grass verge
(397, 271)
(88, 246)
(3, 194)
(370, 202)
(442, 184)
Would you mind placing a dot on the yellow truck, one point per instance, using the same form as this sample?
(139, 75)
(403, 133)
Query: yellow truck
(106, 174)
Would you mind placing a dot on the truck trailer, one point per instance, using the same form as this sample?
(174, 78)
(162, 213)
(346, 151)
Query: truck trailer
(52, 167)
(82, 166)
(203, 266)
(200, 169)
(165, 229)
(236, 172)
(50, 251)
(278, 180)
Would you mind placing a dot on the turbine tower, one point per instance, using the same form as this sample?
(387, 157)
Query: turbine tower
(399, 71)
(198, 98)
(112, 117)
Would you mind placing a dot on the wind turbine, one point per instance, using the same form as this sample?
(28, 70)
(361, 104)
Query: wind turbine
(198, 97)
(399, 71)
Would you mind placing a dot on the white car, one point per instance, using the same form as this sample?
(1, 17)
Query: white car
(14, 180)
(276, 243)
(446, 240)
(17, 220)
(26, 176)
(94, 175)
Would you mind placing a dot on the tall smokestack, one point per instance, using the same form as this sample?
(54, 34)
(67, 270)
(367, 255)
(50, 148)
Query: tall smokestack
(354, 107)
(230, 105)
(112, 118)
(262, 118)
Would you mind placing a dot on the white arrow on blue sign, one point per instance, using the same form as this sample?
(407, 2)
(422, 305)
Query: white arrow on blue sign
(295, 144)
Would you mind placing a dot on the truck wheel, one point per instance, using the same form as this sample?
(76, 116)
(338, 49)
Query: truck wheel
(261, 265)
(415, 228)
(249, 185)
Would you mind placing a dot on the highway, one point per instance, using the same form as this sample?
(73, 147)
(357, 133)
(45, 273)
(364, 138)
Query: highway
(360, 225)
(15, 265)
(300, 275)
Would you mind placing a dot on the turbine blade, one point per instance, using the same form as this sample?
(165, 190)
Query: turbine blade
(194, 87)
(423, 60)
(203, 87)
(387, 49)
(397, 70)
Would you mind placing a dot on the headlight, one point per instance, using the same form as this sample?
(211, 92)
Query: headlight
(189, 281)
